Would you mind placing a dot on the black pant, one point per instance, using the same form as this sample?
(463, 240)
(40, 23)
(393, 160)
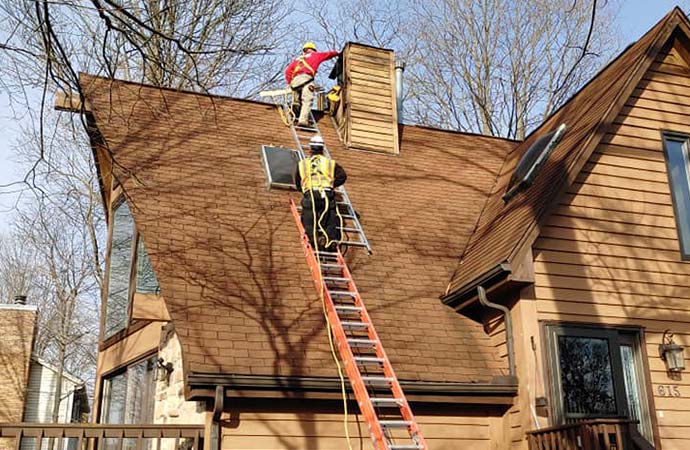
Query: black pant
(327, 221)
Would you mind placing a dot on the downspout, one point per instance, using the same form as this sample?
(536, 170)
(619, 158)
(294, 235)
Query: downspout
(218, 406)
(481, 293)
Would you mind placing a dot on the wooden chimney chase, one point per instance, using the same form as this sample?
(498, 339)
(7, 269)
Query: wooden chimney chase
(367, 116)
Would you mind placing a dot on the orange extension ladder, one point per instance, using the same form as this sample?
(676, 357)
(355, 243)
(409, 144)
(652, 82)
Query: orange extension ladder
(380, 398)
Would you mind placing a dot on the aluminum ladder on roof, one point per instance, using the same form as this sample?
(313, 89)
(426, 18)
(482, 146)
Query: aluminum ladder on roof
(381, 400)
(352, 227)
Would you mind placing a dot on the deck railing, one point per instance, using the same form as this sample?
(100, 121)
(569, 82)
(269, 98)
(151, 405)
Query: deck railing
(597, 434)
(86, 436)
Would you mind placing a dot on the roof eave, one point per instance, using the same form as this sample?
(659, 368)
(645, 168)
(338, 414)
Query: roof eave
(201, 386)
(467, 294)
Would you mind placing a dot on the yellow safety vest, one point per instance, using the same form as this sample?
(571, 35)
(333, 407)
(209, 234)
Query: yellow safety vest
(317, 172)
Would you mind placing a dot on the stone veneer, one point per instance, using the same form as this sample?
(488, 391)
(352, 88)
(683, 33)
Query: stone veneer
(171, 406)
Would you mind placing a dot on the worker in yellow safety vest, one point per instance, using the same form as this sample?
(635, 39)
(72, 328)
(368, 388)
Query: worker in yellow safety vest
(300, 77)
(317, 177)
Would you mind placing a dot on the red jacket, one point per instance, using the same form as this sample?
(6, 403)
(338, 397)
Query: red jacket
(312, 59)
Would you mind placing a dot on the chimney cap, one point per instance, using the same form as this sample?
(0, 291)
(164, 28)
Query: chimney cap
(20, 299)
(400, 64)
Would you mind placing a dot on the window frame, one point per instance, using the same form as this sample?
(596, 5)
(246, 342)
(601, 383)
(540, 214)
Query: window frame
(117, 202)
(134, 287)
(122, 370)
(668, 135)
(267, 168)
(617, 337)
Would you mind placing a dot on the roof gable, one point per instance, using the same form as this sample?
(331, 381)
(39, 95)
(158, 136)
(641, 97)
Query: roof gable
(507, 229)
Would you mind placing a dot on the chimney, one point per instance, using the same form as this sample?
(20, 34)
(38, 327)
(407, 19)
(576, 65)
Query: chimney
(20, 299)
(399, 69)
(367, 114)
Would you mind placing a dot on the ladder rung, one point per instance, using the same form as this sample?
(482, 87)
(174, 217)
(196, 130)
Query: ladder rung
(405, 447)
(395, 423)
(369, 360)
(354, 243)
(348, 308)
(377, 380)
(359, 342)
(328, 254)
(353, 325)
(336, 279)
(386, 401)
(342, 294)
(351, 230)
(303, 128)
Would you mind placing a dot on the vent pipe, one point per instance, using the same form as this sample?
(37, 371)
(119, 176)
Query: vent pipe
(20, 299)
(399, 69)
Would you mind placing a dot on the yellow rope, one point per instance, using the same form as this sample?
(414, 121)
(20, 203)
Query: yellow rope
(325, 311)
(285, 110)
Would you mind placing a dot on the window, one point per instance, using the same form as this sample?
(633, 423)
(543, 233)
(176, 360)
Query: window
(532, 161)
(280, 165)
(147, 283)
(597, 373)
(117, 301)
(128, 398)
(678, 165)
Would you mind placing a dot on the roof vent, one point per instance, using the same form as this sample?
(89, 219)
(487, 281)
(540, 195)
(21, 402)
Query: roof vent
(532, 161)
(399, 69)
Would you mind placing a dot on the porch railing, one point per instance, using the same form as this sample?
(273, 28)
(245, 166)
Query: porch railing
(597, 434)
(86, 436)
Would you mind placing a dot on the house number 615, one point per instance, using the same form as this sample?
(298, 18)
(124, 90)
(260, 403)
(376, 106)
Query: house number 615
(667, 390)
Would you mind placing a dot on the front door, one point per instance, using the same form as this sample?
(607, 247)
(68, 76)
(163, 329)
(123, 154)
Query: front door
(597, 373)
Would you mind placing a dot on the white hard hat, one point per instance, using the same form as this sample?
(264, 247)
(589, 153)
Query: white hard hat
(316, 141)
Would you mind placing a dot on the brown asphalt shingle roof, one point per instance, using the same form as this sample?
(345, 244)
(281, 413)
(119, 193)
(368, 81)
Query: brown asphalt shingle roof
(506, 229)
(227, 253)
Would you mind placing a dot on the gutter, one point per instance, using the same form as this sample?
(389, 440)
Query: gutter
(324, 387)
(467, 294)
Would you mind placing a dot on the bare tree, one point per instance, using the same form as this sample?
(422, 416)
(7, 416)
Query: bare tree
(496, 67)
(53, 252)
(500, 67)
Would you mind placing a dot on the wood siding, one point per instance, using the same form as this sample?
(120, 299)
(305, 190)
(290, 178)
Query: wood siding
(367, 117)
(315, 429)
(609, 253)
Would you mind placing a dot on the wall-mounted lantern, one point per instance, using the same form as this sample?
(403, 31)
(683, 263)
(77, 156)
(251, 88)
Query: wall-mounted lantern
(163, 370)
(672, 353)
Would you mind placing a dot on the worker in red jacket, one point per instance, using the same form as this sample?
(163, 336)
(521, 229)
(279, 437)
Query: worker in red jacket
(300, 76)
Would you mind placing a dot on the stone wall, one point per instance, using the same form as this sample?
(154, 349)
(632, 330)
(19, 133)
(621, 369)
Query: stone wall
(171, 406)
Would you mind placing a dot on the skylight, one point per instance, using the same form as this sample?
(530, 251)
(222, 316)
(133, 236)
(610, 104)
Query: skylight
(532, 161)
(280, 165)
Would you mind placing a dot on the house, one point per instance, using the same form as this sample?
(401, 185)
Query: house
(28, 383)
(524, 291)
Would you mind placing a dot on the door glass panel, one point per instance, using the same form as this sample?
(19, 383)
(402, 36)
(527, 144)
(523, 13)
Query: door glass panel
(586, 376)
(633, 383)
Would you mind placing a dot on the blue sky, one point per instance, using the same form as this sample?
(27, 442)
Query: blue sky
(636, 17)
